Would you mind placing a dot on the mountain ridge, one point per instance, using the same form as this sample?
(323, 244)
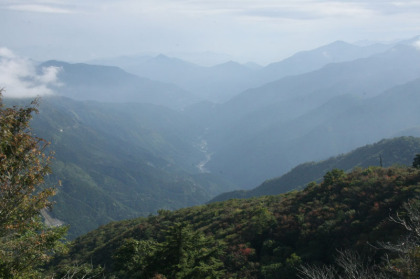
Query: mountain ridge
(238, 129)
(262, 237)
(112, 84)
(386, 153)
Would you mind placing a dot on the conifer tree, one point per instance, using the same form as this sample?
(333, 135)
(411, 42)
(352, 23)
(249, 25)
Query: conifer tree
(416, 161)
(189, 254)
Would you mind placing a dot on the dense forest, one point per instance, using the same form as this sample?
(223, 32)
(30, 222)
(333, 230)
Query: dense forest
(266, 237)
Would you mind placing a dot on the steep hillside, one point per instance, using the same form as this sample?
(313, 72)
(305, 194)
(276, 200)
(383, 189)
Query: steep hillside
(396, 151)
(265, 237)
(120, 161)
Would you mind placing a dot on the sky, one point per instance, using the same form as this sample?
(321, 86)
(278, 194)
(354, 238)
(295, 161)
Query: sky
(261, 31)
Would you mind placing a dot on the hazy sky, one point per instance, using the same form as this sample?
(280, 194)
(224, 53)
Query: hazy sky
(259, 30)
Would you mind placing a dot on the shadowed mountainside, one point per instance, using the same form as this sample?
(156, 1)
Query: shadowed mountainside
(388, 152)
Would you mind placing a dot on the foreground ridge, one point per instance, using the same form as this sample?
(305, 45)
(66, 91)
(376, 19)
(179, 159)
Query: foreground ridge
(266, 237)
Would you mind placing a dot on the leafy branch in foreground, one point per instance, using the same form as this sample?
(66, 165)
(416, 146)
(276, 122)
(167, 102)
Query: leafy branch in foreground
(25, 242)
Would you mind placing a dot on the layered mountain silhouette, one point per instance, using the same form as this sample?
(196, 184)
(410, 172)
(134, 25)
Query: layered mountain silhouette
(221, 82)
(171, 134)
(315, 115)
(112, 84)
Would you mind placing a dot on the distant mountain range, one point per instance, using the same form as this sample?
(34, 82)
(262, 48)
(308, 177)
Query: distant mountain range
(307, 61)
(265, 131)
(221, 82)
(128, 145)
(112, 84)
(217, 83)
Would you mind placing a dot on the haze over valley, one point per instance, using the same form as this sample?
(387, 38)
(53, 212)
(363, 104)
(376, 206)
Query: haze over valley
(271, 135)
(127, 145)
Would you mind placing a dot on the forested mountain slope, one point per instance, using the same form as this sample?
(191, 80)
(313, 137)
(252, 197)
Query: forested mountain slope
(266, 237)
(387, 152)
(119, 161)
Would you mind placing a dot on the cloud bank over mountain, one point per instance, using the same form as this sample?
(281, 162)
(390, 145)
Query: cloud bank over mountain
(416, 44)
(20, 78)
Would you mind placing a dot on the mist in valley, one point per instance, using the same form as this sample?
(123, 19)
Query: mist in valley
(209, 98)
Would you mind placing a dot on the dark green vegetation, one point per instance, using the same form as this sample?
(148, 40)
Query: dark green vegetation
(266, 237)
(404, 262)
(25, 242)
(118, 161)
(397, 151)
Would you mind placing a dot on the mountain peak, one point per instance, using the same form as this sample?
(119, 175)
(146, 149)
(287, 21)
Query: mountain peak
(339, 45)
(410, 41)
(162, 57)
(340, 42)
(229, 65)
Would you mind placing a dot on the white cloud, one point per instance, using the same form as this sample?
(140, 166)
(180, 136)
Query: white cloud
(39, 9)
(40, 6)
(416, 44)
(6, 53)
(409, 4)
(20, 79)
